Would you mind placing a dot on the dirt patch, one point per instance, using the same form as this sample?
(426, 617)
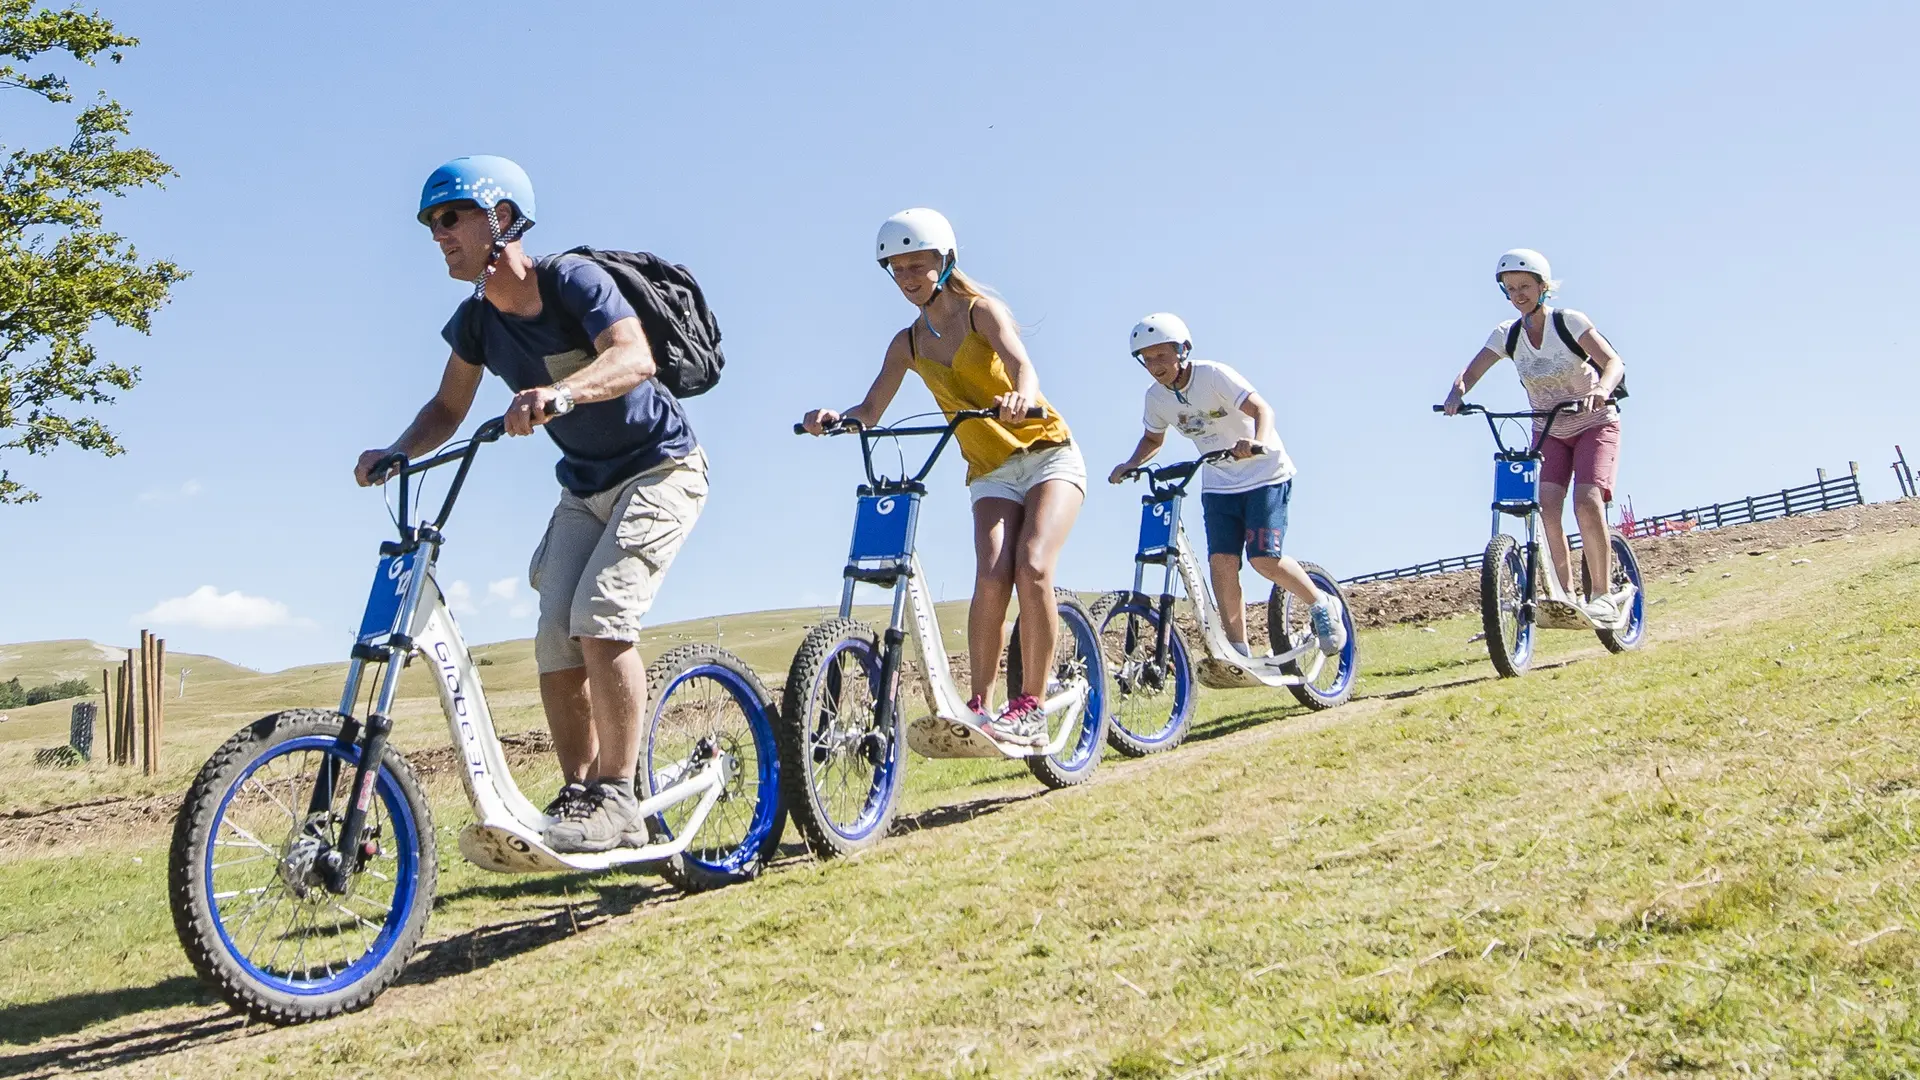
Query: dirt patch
(1439, 596)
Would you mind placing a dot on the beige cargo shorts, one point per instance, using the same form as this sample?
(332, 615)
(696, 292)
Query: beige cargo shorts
(604, 556)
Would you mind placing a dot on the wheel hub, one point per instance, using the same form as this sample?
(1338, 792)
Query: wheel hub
(301, 864)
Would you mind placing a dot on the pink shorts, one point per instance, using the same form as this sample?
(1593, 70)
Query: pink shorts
(1589, 457)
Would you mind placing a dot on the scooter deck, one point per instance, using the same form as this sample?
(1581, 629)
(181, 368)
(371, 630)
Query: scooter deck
(946, 737)
(1218, 673)
(510, 848)
(1564, 615)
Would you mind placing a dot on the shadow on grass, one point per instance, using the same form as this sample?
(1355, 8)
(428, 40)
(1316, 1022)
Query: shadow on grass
(939, 817)
(65, 1015)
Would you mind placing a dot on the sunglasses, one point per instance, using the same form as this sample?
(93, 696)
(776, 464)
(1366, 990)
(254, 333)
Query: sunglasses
(445, 219)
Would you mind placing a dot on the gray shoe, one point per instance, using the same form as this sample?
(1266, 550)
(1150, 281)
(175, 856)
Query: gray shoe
(1023, 722)
(573, 802)
(611, 818)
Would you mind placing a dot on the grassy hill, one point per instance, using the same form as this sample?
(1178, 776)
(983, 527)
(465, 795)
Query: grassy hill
(1696, 859)
(221, 697)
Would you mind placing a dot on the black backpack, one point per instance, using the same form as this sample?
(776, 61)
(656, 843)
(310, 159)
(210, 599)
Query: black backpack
(1572, 343)
(673, 312)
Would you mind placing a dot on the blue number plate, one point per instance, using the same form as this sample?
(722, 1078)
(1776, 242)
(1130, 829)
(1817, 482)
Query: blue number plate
(389, 589)
(1516, 481)
(1157, 523)
(883, 527)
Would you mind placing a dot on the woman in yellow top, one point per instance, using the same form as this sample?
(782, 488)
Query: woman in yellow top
(1026, 477)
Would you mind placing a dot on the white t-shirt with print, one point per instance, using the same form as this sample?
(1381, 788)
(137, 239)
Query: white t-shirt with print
(1207, 411)
(1553, 373)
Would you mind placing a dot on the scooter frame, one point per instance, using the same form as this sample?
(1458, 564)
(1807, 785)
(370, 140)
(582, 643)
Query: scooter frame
(883, 554)
(1516, 494)
(407, 615)
(1163, 543)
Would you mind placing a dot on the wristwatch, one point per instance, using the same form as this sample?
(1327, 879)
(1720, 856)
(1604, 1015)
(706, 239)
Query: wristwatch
(562, 399)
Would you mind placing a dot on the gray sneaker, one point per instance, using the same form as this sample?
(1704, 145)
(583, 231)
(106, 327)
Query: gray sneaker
(1023, 722)
(1329, 624)
(572, 803)
(611, 818)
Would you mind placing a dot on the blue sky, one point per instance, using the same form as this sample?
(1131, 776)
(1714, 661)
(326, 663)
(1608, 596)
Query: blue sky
(1321, 191)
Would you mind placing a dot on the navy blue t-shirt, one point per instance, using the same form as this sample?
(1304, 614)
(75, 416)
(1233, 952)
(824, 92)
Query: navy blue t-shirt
(605, 443)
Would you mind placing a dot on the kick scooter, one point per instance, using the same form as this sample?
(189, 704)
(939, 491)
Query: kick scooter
(1151, 668)
(842, 734)
(303, 862)
(1511, 583)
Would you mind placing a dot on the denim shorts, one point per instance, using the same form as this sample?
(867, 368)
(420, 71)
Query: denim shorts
(1254, 521)
(1028, 469)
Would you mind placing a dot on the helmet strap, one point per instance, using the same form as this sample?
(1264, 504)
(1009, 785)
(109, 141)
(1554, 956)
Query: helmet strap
(926, 309)
(498, 247)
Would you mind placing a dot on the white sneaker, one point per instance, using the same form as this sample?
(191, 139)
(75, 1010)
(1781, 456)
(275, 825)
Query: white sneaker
(1242, 648)
(1602, 609)
(1329, 624)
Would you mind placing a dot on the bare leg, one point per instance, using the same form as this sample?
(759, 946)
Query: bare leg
(1051, 510)
(1553, 503)
(1590, 510)
(617, 683)
(1287, 573)
(995, 523)
(570, 719)
(1225, 572)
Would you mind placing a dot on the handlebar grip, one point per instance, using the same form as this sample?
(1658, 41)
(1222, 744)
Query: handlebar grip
(1439, 408)
(1036, 412)
(800, 429)
(384, 468)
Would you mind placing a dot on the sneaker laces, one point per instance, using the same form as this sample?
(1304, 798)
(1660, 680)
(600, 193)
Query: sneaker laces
(575, 802)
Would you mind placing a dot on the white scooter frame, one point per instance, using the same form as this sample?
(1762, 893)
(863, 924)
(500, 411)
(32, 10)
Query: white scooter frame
(407, 616)
(883, 554)
(1163, 541)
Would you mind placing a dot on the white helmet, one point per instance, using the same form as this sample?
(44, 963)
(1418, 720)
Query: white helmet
(918, 229)
(1528, 261)
(1158, 327)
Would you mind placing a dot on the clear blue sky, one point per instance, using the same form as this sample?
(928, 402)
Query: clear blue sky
(1320, 190)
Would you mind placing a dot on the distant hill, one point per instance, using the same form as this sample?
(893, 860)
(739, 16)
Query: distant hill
(37, 662)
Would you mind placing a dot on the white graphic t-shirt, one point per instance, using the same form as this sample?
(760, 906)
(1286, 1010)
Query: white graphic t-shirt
(1207, 411)
(1553, 373)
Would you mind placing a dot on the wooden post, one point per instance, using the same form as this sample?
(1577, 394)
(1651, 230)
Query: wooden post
(159, 697)
(123, 703)
(144, 683)
(1822, 474)
(106, 708)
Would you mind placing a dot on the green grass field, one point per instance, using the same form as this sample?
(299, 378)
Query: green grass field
(1690, 860)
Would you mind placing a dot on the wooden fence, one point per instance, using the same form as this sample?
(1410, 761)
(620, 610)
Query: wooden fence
(136, 706)
(1822, 494)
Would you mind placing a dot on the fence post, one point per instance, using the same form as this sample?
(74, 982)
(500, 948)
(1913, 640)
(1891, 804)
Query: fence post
(1822, 474)
(123, 704)
(1854, 468)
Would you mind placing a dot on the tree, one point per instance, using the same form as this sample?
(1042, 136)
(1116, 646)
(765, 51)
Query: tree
(61, 270)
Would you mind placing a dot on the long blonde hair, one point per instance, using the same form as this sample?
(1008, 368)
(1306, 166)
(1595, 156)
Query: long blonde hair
(962, 285)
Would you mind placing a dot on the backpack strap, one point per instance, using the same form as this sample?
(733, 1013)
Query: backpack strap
(1567, 338)
(1513, 335)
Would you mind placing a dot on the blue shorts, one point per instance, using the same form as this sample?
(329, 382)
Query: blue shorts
(1254, 521)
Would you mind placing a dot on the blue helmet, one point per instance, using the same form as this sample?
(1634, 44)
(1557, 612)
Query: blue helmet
(483, 179)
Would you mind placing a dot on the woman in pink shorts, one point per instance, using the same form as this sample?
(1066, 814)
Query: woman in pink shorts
(1561, 358)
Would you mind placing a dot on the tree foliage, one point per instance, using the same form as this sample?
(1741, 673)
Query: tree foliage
(61, 269)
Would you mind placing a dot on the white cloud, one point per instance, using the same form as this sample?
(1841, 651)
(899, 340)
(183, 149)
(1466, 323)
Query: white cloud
(459, 596)
(207, 608)
(185, 491)
(504, 589)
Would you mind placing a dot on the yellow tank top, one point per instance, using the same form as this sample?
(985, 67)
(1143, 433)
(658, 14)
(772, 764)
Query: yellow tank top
(976, 377)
